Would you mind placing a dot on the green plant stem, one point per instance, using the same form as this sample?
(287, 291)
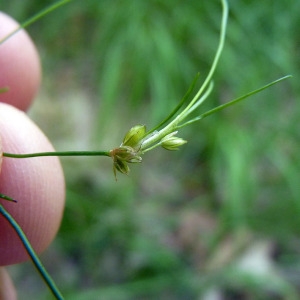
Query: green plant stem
(37, 16)
(65, 153)
(173, 125)
(225, 105)
(208, 78)
(2, 196)
(4, 89)
(177, 108)
(36, 261)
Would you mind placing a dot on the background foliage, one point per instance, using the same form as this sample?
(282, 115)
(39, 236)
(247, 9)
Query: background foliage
(220, 216)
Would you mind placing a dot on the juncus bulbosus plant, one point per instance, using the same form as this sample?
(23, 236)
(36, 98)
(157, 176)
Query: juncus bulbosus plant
(138, 140)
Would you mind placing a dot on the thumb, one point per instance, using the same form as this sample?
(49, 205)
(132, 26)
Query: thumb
(37, 183)
(7, 289)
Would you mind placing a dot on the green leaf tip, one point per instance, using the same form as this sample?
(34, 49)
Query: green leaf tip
(2, 196)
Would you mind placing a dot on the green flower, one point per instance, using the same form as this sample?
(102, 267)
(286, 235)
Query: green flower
(172, 142)
(125, 153)
(134, 136)
(122, 156)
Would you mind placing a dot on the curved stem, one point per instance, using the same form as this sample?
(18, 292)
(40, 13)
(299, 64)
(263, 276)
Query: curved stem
(4, 89)
(193, 104)
(232, 102)
(177, 108)
(199, 102)
(36, 261)
(35, 18)
(65, 153)
(217, 55)
(2, 196)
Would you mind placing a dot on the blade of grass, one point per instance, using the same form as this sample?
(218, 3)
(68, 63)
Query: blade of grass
(7, 198)
(177, 108)
(66, 153)
(36, 261)
(37, 16)
(221, 107)
(4, 89)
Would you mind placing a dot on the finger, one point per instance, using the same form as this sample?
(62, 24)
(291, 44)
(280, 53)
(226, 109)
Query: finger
(19, 65)
(7, 289)
(37, 184)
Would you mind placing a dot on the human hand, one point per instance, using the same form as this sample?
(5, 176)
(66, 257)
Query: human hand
(37, 183)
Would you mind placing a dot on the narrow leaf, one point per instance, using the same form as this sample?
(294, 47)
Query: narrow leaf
(177, 108)
(36, 17)
(221, 107)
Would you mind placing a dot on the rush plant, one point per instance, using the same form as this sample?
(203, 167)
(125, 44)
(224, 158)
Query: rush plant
(138, 140)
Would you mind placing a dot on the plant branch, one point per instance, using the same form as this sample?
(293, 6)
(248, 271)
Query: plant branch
(66, 153)
(2, 196)
(225, 105)
(36, 261)
(37, 16)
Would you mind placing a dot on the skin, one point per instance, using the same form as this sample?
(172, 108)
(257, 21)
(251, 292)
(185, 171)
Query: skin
(37, 183)
(20, 66)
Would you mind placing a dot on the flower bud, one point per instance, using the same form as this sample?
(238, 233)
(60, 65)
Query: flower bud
(134, 136)
(121, 156)
(125, 153)
(121, 166)
(171, 142)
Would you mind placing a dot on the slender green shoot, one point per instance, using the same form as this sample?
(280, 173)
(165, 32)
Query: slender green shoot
(4, 89)
(198, 99)
(216, 58)
(177, 108)
(66, 153)
(36, 261)
(235, 101)
(37, 16)
(2, 196)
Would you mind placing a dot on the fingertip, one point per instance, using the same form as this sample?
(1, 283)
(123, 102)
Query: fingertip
(7, 289)
(19, 64)
(37, 184)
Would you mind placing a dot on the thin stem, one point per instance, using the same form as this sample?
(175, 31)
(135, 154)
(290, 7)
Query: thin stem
(2, 196)
(199, 102)
(225, 105)
(35, 18)
(66, 153)
(177, 108)
(220, 107)
(36, 261)
(152, 147)
(4, 89)
(217, 55)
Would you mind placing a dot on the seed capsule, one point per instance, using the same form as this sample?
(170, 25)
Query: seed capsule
(171, 142)
(134, 136)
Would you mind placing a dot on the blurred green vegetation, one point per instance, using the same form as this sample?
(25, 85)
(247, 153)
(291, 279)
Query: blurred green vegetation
(220, 216)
